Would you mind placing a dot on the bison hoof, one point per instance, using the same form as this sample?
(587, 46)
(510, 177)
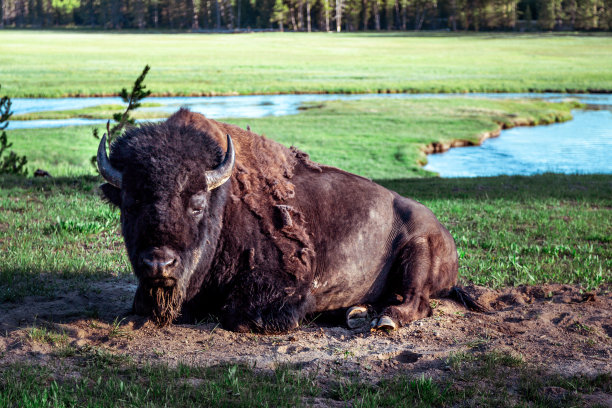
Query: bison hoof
(384, 323)
(356, 316)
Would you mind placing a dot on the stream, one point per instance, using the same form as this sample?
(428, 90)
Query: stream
(582, 145)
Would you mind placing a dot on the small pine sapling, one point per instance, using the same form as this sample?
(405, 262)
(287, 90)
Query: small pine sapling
(133, 100)
(11, 163)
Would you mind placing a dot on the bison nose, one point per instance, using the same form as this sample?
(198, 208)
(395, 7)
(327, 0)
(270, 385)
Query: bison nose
(159, 263)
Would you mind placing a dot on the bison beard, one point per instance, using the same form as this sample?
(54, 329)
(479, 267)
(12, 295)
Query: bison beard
(165, 304)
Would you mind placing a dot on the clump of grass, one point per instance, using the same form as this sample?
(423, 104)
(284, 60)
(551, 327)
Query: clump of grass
(532, 386)
(581, 328)
(486, 362)
(99, 357)
(457, 359)
(116, 331)
(42, 334)
(75, 226)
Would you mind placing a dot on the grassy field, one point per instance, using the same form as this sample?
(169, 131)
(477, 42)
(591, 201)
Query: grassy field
(59, 63)
(56, 235)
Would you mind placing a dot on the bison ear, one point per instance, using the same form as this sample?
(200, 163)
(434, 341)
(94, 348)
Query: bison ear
(111, 194)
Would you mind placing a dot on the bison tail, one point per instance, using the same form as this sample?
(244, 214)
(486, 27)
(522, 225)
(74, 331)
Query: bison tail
(461, 296)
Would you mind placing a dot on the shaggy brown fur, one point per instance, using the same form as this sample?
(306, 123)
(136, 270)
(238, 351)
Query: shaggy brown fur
(263, 172)
(282, 238)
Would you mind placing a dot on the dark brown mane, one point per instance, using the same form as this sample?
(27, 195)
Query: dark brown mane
(262, 181)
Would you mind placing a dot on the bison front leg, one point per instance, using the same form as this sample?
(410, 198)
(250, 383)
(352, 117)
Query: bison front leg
(426, 266)
(262, 307)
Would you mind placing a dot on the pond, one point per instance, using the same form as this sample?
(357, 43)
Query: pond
(579, 146)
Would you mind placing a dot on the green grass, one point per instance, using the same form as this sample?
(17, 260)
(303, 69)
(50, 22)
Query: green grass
(43, 334)
(56, 235)
(65, 151)
(93, 112)
(60, 63)
(96, 377)
(103, 380)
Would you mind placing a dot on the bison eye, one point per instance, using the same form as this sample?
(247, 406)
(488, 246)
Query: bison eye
(197, 203)
(131, 205)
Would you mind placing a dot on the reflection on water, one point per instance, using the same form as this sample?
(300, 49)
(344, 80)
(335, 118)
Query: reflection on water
(582, 145)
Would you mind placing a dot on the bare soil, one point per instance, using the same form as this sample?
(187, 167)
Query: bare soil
(558, 327)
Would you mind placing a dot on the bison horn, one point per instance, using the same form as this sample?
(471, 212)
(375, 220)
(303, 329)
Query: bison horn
(110, 174)
(218, 176)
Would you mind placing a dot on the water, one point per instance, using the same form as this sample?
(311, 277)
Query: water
(249, 106)
(583, 145)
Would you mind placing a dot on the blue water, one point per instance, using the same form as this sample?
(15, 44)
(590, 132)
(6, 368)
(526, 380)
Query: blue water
(583, 145)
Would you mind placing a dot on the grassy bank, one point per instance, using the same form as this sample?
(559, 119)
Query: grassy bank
(53, 64)
(376, 138)
(93, 112)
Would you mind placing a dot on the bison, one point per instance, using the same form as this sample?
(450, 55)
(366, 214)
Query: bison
(219, 220)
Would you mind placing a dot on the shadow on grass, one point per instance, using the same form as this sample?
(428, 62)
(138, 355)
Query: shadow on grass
(60, 184)
(512, 188)
(549, 185)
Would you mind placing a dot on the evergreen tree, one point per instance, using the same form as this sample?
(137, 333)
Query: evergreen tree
(528, 19)
(280, 14)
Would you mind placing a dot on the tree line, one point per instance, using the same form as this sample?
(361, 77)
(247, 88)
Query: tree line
(311, 15)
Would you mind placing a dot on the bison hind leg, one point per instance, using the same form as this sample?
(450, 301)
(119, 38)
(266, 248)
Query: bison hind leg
(426, 266)
(416, 307)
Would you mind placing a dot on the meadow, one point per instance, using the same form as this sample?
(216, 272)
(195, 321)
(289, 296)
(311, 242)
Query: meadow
(59, 242)
(61, 63)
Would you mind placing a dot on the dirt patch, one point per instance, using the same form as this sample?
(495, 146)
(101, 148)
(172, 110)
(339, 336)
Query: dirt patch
(553, 326)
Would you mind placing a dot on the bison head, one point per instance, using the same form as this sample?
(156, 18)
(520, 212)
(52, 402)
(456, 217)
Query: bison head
(169, 180)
